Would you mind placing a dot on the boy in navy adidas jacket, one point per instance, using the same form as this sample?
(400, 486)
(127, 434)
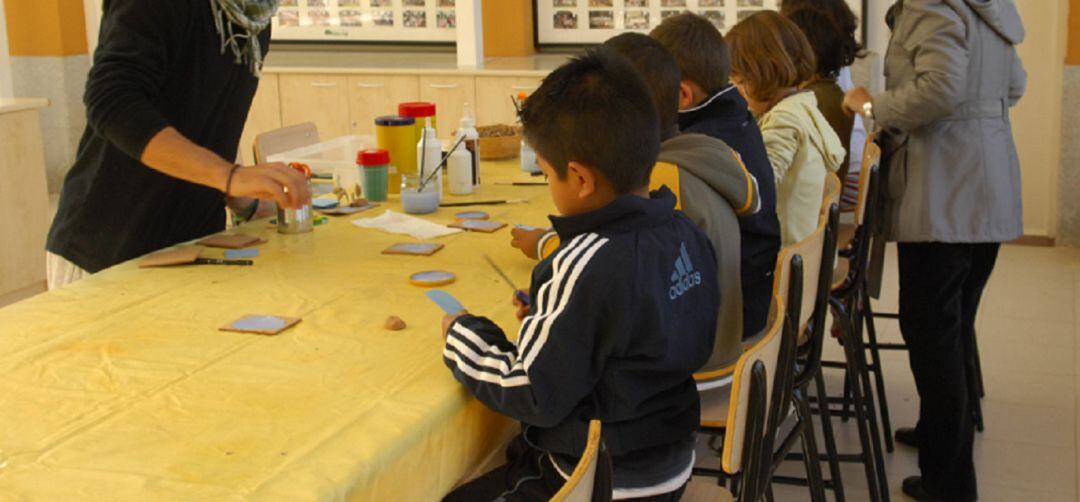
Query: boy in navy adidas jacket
(623, 312)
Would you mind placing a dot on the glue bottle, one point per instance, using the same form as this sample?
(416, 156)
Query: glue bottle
(430, 149)
(471, 144)
(459, 170)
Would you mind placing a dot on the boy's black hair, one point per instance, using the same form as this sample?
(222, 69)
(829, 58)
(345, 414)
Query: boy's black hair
(595, 110)
(830, 27)
(699, 49)
(658, 67)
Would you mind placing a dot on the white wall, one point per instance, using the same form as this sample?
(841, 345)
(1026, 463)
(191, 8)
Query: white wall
(6, 89)
(92, 11)
(1037, 119)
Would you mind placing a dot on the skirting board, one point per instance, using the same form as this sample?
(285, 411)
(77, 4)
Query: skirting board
(23, 293)
(1042, 241)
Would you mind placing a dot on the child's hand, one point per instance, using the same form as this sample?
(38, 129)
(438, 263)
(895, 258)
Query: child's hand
(526, 240)
(520, 301)
(449, 320)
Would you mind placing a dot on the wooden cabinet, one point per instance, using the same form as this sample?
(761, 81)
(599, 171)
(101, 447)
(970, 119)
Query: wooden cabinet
(322, 99)
(265, 115)
(373, 96)
(24, 201)
(449, 95)
(493, 94)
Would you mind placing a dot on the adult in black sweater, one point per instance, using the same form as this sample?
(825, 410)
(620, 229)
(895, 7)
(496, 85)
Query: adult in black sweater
(166, 103)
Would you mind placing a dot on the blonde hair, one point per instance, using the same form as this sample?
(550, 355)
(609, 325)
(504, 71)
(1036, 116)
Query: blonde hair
(770, 53)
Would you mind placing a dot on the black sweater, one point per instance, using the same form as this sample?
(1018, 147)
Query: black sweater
(624, 313)
(726, 117)
(158, 63)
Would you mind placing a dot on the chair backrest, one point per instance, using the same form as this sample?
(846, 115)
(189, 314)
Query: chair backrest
(831, 195)
(582, 482)
(739, 418)
(666, 173)
(282, 140)
(811, 249)
(871, 160)
(756, 460)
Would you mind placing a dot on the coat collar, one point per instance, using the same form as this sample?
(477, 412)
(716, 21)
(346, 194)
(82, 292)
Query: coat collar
(628, 212)
(725, 105)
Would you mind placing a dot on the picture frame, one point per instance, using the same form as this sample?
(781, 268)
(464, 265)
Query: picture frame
(576, 23)
(366, 21)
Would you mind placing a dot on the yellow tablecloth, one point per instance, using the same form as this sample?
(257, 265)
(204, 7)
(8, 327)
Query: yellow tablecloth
(121, 387)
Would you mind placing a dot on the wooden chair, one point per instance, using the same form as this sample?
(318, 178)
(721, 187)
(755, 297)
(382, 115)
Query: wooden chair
(585, 483)
(831, 195)
(809, 309)
(743, 457)
(753, 437)
(274, 142)
(848, 290)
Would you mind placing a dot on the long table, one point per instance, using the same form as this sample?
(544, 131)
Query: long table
(121, 386)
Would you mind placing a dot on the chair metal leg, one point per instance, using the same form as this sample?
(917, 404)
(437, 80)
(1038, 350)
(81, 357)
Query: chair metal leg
(830, 439)
(845, 407)
(867, 400)
(867, 315)
(809, 444)
(853, 383)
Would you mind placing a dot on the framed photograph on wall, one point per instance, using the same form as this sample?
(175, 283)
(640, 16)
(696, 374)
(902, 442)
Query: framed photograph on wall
(400, 21)
(585, 22)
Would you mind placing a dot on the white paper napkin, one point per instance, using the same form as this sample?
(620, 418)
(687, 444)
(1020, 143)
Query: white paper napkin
(397, 223)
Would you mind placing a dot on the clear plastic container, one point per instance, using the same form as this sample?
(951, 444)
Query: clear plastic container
(326, 157)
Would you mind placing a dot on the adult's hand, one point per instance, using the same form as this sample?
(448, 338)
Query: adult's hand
(175, 155)
(855, 99)
(275, 182)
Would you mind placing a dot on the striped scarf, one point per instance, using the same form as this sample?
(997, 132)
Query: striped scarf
(252, 17)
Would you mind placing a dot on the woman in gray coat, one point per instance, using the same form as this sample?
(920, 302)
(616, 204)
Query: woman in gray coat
(952, 73)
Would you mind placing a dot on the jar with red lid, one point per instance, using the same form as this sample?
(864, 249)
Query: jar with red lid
(419, 111)
(375, 172)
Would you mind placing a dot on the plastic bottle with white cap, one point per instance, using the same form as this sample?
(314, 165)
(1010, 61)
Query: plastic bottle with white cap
(430, 150)
(472, 143)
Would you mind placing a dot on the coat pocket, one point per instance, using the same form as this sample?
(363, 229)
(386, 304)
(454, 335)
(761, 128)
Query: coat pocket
(894, 159)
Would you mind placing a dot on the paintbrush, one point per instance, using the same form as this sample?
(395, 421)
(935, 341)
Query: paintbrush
(522, 183)
(484, 203)
(521, 296)
(438, 166)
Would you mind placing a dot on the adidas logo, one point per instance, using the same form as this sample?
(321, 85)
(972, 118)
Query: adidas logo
(684, 278)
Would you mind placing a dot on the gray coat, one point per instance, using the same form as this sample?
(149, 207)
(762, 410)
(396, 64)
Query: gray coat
(952, 73)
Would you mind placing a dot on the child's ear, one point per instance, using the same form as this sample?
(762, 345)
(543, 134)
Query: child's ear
(583, 178)
(686, 95)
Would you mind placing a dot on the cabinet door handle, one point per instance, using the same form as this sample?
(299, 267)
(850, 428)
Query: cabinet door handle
(370, 86)
(444, 86)
(524, 88)
(324, 84)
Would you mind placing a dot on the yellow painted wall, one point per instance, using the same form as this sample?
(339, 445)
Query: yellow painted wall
(1037, 119)
(508, 28)
(45, 27)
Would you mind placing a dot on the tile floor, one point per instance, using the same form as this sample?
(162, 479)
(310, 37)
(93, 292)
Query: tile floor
(1027, 329)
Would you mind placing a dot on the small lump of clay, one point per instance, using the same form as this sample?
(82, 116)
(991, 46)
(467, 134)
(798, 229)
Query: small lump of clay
(394, 323)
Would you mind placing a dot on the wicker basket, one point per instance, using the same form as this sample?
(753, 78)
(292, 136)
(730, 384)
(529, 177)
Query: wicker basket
(500, 147)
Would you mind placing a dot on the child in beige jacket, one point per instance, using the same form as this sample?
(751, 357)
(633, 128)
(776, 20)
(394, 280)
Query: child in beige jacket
(770, 57)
